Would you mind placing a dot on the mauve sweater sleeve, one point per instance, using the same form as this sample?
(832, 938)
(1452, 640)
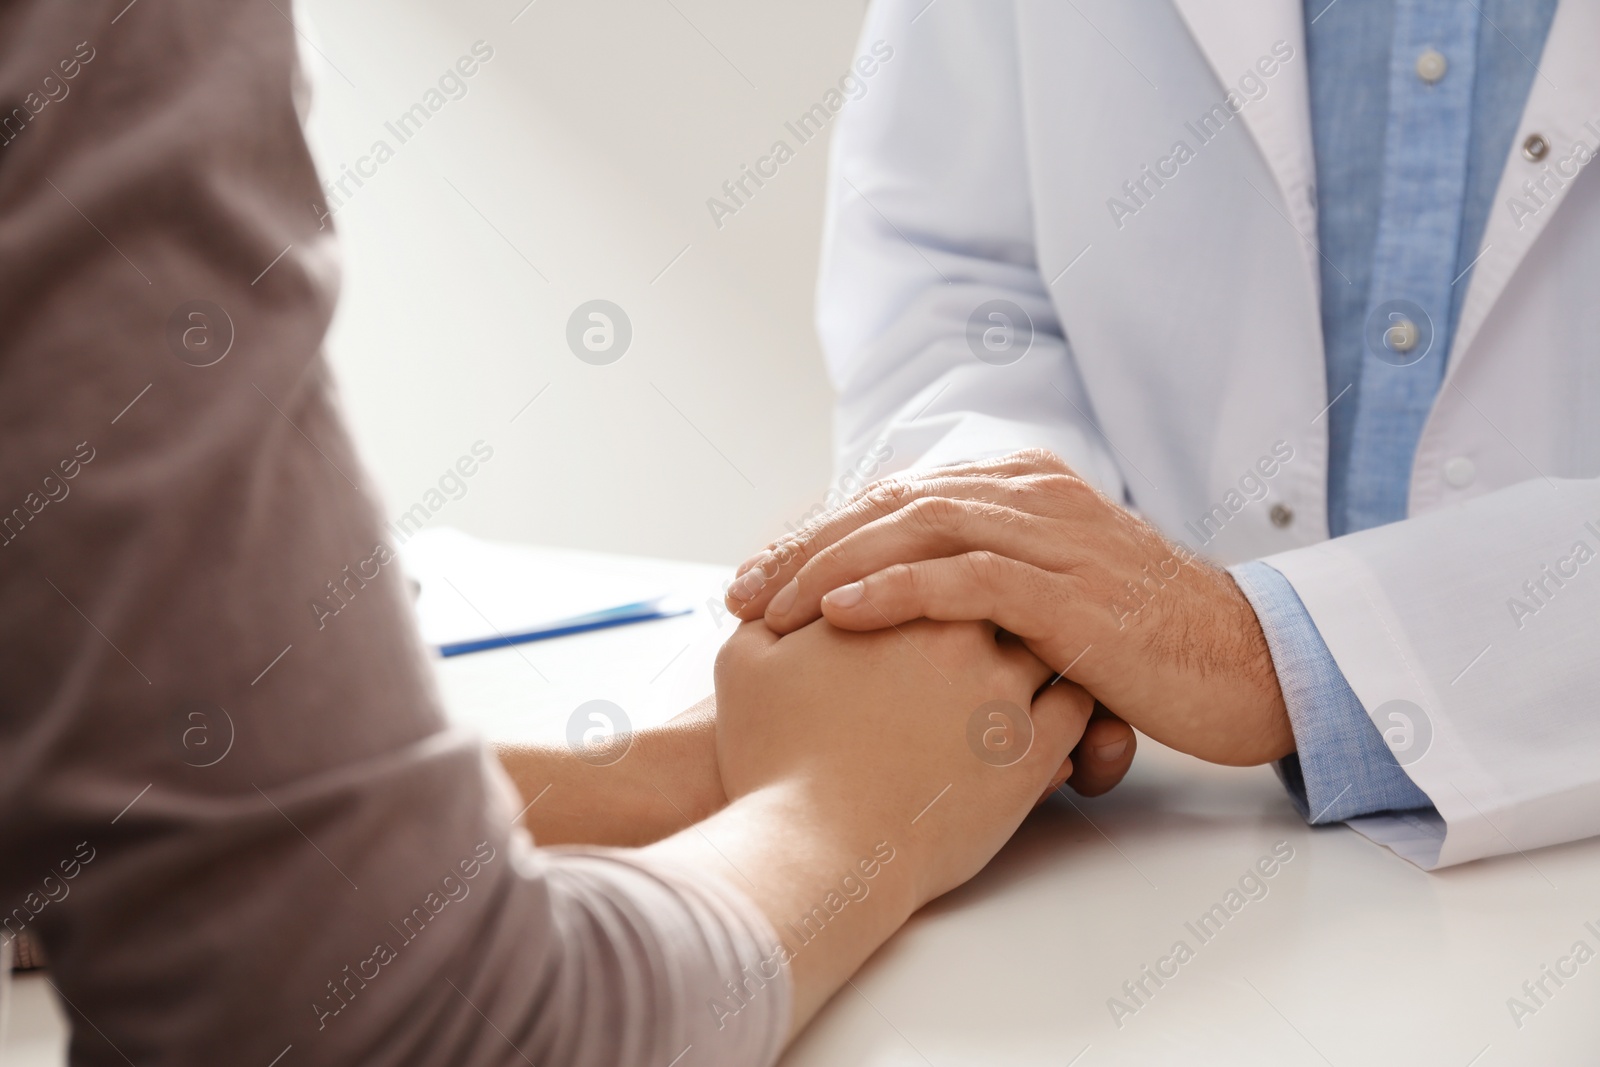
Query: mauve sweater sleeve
(238, 820)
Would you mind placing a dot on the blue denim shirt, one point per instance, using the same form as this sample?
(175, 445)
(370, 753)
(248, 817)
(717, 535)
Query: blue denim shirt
(1413, 107)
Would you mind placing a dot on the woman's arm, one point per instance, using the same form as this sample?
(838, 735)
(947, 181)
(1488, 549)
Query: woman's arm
(668, 780)
(868, 777)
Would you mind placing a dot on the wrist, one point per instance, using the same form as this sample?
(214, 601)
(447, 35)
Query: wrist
(680, 763)
(831, 890)
(841, 840)
(666, 781)
(1197, 674)
(1271, 729)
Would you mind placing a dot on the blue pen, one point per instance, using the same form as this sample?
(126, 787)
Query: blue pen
(643, 611)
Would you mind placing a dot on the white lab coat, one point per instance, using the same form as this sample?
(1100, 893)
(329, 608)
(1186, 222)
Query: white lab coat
(1176, 345)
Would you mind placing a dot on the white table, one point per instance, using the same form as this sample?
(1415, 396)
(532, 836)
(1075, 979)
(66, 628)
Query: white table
(1353, 956)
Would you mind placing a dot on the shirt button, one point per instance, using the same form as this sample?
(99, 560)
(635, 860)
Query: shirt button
(1431, 66)
(1281, 515)
(1535, 147)
(1402, 336)
(1460, 472)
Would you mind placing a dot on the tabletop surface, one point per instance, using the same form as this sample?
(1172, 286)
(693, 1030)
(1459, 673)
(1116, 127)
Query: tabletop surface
(1347, 954)
(1066, 949)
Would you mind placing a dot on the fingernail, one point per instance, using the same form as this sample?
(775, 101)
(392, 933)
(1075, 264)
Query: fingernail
(846, 596)
(784, 600)
(1112, 751)
(759, 559)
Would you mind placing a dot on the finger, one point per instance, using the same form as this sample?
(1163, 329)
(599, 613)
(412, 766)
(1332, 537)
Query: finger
(1057, 780)
(1060, 714)
(1103, 756)
(1026, 668)
(1033, 604)
(1022, 463)
(764, 574)
(928, 528)
(760, 577)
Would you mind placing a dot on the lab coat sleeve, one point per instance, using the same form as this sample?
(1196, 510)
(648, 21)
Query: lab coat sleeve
(1341, 767)
(929, 223)
(1469, 633)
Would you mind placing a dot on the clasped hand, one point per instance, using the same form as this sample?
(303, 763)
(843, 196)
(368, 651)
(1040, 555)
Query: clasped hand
(1163, 639)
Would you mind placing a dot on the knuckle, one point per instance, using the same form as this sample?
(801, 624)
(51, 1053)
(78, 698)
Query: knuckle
(1066, 485)
(830, 560)
(905, 576)
(888, 496)
(984, 567)
(1066, 493)
(863, 491)
(796, 550)
(1041, 459)
(934, 514)
(789, 553)
(1016, 493)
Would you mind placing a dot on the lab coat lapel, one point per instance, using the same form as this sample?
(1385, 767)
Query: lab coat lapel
(1234, 36)
(1564, 109)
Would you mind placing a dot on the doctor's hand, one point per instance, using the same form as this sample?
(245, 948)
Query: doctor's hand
(1162, 639)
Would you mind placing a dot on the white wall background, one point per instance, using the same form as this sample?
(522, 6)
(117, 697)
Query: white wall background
(584, 151)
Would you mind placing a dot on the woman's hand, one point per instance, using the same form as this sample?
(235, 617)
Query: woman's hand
(869, 773)
(919, 735)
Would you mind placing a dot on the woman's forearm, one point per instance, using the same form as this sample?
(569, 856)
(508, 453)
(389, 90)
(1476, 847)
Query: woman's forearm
(831, 891)
(666, 781)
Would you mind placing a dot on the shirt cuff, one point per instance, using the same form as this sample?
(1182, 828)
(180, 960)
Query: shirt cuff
(1343, 768)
